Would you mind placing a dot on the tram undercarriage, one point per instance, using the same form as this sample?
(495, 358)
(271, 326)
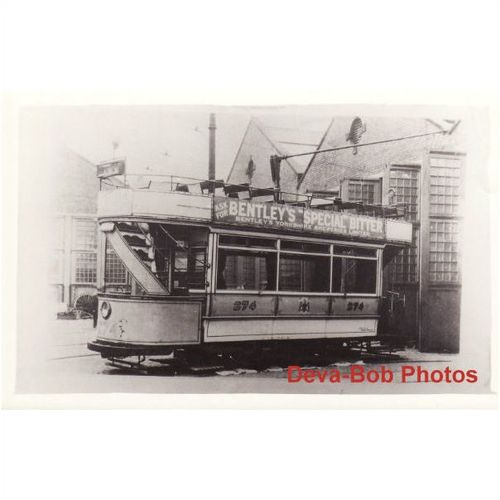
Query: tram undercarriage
(255, 356)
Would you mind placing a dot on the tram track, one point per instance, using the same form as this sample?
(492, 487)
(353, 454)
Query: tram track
(226, 366)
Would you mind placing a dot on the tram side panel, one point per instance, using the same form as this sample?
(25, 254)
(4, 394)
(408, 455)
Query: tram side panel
(253, 317)
(149, 322)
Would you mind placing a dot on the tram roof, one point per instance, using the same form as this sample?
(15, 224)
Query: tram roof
(219, 211)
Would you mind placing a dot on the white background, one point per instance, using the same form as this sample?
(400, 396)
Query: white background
(221, 52)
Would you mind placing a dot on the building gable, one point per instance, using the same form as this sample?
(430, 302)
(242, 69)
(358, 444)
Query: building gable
(326, 170)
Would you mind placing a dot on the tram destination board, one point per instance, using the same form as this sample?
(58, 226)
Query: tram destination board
(110, 168)
(273, 215)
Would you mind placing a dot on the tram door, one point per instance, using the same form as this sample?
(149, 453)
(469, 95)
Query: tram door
(399, 309)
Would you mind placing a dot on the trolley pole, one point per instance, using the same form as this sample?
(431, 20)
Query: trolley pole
(211, 150)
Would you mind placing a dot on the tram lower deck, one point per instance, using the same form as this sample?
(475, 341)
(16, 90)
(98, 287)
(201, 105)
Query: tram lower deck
(203, 286)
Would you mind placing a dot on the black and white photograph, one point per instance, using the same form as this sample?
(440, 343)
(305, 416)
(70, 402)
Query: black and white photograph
(273, 249)
(249, 249)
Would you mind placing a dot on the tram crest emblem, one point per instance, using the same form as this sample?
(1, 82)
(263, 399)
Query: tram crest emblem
(304, 305)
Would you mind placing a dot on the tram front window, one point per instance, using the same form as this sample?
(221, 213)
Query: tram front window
(176, 256)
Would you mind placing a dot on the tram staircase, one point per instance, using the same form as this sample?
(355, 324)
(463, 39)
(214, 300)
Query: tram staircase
(140, 242)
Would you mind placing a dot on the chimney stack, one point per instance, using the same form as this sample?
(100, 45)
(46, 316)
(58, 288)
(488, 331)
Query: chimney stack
(211, 149)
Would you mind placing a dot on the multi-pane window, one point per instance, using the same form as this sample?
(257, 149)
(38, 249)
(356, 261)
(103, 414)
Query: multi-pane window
(362, 191)
(404, 183)
(303, 267)
(443, 251)
(84, 251)
(404, 266)
(444, 185)
(114, 270)
(85, 265)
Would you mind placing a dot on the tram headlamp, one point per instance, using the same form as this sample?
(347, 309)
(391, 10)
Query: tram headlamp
(105, 310)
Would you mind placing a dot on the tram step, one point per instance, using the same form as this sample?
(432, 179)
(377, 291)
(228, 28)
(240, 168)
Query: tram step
(136, 241)
(124, 227)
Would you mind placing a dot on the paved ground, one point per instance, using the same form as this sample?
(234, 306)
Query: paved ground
(70, 367)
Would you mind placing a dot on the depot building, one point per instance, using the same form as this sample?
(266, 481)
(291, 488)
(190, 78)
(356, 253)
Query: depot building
(424, 174)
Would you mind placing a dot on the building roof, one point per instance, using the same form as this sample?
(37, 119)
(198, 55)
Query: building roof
(295, 134)
(278, 134)
(326, 170)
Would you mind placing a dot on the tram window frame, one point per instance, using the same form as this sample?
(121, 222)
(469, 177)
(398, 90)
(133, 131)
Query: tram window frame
(225, 252)
(177, 279)
(348, 264)
(183, 277)
(354, 251)
(343, 255)
(302, 258)
(358, 252)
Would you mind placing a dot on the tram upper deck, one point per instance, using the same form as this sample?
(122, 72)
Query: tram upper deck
(285, 217)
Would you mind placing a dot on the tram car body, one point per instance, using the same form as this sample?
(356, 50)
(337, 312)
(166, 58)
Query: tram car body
(197, 272)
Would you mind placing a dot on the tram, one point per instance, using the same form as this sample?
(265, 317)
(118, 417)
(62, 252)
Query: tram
(182, 272)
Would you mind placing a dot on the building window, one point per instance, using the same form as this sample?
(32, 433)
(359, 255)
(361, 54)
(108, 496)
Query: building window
(84, 256)
(404, 183)
(85, 265)
(404, 266)
(362, 191)
(444, 186)
(443, 255)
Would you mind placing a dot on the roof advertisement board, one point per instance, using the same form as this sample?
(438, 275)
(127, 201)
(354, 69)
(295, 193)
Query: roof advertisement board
(273, 215)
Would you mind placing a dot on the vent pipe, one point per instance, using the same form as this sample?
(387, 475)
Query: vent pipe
(211, 149)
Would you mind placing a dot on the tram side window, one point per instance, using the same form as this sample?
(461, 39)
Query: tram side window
(246, 270)
(360, 276)
(304, 273)
(354, 275)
